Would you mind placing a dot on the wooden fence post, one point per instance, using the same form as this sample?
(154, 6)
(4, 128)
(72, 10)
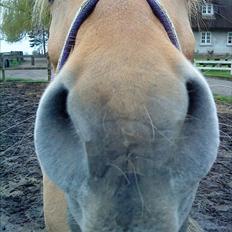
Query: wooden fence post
(231, 68)
(3, 69)
(49, 70)
(3, 74)
(32, 60)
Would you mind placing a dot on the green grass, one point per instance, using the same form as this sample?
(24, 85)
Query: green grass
(14, 63)
(223, 99)
(218, 74)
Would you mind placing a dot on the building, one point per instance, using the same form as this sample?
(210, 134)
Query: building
(10, 58)
(212, 27)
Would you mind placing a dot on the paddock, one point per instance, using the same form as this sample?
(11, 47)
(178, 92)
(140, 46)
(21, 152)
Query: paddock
(21, 198)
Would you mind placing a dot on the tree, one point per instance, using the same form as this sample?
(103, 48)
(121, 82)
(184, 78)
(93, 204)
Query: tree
(38, 39)
(17, 15)
(17, 22)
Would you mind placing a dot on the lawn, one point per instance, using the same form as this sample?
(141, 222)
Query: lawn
(218, 74)
(223, 99)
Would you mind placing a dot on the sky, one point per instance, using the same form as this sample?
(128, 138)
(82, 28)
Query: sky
(22, 45)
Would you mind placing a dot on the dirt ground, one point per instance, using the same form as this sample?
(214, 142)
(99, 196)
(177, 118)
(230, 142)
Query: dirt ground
(20, 176)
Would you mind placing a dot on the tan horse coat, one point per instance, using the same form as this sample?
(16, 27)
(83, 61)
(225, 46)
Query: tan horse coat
(87, 46)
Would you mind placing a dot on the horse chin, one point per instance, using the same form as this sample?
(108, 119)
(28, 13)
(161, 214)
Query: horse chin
(129, 206)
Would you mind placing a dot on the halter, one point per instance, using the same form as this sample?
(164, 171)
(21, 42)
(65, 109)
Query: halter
(87, 8)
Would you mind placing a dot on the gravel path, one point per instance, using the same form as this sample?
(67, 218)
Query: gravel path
(221, 87)
(20, 176)
(35, 75)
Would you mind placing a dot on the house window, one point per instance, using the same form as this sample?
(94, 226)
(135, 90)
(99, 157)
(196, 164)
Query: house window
(206, 38)
(229, 38)
(207, 9)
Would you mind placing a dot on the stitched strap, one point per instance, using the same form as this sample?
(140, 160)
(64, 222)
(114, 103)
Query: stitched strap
(87, 8)
(82, 14)
(164, 18)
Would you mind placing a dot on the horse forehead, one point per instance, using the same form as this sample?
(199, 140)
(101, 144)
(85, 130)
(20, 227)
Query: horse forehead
(180, 21)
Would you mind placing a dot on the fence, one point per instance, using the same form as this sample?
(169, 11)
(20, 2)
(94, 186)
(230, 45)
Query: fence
(31, 64)
(217, 65)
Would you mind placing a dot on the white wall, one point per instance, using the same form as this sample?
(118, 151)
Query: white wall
(219, 44)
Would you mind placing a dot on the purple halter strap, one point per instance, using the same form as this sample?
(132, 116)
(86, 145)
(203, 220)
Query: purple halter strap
(87, 8)
(164, 18)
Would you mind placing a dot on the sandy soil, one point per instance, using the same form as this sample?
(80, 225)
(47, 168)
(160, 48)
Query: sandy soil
(20, 176)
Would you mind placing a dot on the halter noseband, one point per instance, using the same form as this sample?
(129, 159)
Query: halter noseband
(87, 8)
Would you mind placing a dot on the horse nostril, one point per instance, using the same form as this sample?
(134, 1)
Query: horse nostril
(200, 132)
(195, 95)
(52, 111)
(57, 103)
(56, 142)
(61, 103)
(192, 97)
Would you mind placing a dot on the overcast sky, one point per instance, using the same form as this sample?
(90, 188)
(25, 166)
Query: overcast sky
(22, 45)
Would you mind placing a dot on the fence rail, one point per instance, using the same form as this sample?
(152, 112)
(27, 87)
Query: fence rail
(217, 65)
(31, 66)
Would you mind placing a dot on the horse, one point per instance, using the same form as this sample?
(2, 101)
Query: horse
(128, 127)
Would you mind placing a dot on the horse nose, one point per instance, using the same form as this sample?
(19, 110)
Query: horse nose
(74, 119)
(130, 117)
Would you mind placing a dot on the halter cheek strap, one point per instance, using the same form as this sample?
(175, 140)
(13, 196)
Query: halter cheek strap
(166, 21)
(82, 14)
(87, 8)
